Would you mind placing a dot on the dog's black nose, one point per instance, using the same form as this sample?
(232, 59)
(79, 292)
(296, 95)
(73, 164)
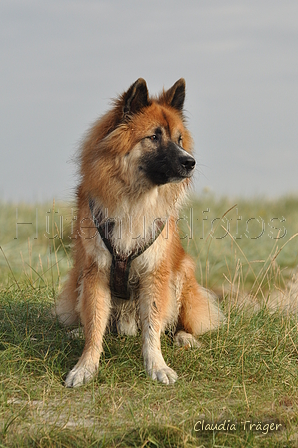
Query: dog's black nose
(187, 162)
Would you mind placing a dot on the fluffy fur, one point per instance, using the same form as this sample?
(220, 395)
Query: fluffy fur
(136, 165)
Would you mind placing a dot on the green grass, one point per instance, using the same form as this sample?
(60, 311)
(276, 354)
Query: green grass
(246, 371)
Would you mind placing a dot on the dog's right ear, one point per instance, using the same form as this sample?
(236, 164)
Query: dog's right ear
(136, 97)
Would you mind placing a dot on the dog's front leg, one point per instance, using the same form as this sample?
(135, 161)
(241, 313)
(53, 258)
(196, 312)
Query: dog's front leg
(154, 306)
(94, 310)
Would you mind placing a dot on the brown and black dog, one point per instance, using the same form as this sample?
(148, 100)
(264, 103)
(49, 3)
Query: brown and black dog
(130, 269)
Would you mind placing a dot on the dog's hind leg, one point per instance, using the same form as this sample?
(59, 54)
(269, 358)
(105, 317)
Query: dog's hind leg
(94, 310)
(65, 306)
(126, 322)
(199, 310)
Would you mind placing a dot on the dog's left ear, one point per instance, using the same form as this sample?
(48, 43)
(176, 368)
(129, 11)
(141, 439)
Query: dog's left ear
(175, 96)
(136, 97)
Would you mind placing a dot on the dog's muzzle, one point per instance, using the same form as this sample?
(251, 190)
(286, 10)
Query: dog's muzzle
(170, 163)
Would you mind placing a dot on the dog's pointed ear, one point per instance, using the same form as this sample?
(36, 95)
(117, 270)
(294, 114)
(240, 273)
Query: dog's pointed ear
(136, 97)
(175, 96)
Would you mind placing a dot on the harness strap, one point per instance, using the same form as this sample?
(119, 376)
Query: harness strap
(121, 263)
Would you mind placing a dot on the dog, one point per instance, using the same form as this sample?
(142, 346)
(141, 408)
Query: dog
(130, 270)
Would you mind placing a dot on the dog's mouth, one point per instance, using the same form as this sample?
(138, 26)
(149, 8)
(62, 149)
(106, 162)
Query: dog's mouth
(171, 165)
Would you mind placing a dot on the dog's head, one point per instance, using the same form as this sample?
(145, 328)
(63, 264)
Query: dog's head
(163, 142)
(141, 143)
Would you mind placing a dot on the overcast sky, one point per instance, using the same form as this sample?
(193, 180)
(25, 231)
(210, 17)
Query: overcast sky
(62, 61)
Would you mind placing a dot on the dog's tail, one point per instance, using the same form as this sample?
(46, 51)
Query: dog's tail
(278, 299)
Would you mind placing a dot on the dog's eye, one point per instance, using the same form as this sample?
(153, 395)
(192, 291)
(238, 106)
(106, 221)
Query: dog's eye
(180, 140)
(153, 137)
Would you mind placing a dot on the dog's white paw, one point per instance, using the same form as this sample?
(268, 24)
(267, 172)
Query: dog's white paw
(165, 375)
(81, 374)
(187, 340)
(157, 369)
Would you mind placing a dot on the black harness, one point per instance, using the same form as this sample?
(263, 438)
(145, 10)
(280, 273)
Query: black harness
(121, 263)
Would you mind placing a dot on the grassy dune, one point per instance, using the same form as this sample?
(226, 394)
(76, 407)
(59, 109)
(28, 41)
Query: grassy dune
(244, 376)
